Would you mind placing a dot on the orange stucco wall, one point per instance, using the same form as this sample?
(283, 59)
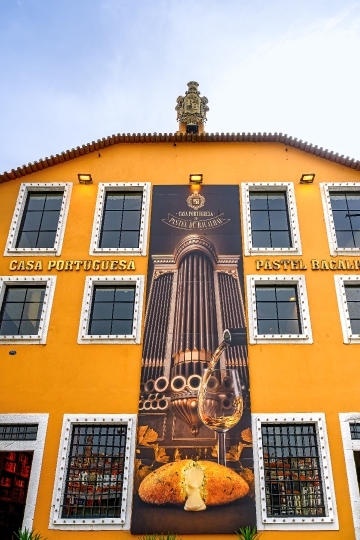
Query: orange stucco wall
(64, 377)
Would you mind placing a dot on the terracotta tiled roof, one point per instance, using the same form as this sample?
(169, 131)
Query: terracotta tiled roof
(177, 138)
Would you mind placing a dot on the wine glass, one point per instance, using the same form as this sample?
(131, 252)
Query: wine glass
(220, 387)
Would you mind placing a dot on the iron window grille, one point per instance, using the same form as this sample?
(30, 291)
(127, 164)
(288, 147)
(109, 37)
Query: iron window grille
(18, 432)
(277, 310)
(40, 220)
(355, 430)
(121, 219)
(293, 482)
(95, 473)
(353, 305)
(270, 226)
(112, 310)
(345, 206)
(21, 310)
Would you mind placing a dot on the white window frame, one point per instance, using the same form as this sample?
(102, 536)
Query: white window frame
(301, 523)
(50, 282)
(25, 189)
(288, 187)
(326, 188)
(98, 219)
(37, 447)
(340, 282)
(300, 282)
(68, 524)
(351, 446)
(84, 337)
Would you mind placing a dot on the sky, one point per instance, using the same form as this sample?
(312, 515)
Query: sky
(73, 71)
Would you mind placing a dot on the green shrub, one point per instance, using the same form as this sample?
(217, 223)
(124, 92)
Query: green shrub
(247, 533)
(26, 534)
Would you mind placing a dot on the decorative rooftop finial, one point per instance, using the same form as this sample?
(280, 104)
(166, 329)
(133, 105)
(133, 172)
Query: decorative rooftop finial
(191, 110)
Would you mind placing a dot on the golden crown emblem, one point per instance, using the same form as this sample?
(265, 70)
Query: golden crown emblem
(195, 200)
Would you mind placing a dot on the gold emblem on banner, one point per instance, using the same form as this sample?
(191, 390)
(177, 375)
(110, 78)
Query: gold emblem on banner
(195, 200)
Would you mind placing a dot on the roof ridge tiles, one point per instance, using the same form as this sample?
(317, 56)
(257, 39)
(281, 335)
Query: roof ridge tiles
(133, 138)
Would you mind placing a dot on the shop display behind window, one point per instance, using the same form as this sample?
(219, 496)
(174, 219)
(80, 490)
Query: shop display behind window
(40, 220)
(95, 472)
(292, 471)
(277, 310)
(121, 219)
(21, 310)
(270, 224)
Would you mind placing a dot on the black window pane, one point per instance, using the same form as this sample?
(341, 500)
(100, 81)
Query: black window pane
(261, 239)
(9, 328)
(354, 310)
(114, 201)
(287, 310)
(125, 295)
(266, 310)
(289, 326)
(345, 239)
(105, 294)
(13, 311)
(265, 294)
(133, 201)
(123, 310)
(353, 201)
(355, 222)
(16, 294)
(342, 220)
(53, 202)
(278, 220)
(101, 328)
(260, 220)
(103, 310)
(120, 327)
(32, 221)
(112, 221)
(131, 221)
(277, 201)
(129, 239)
(46, 239)
(21, 310)
(286, 294)
(338, 201)
(29, 327)
(258, 201)
(49, 221)
(110, 239)
(352, 294)
(355, 326)
(36, 202)
(357, 238)
(280, 239)
(27, 239)
(268, 326)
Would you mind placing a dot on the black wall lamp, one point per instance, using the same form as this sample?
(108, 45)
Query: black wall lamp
(85, 179)
(307, 178)
(195, 178)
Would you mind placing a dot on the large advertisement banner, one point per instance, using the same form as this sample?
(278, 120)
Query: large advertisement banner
(184, 481)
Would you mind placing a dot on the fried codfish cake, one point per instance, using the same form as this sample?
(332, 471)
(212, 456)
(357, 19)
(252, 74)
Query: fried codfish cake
(221, 485)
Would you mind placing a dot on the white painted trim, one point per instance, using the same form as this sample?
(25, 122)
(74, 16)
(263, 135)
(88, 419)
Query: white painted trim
(84, 337)
(37, 447)
(325, 189)
(300, 282)
(98, 218)
(50, 282)
(303, 523)
(351, 446)
(89, 524)
(288, 187)
(340, 282)
(10, 249)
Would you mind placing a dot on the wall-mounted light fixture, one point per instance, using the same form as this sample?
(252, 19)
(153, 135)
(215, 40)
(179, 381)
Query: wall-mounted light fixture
(85, 179)
(307, 178)
(195, 178)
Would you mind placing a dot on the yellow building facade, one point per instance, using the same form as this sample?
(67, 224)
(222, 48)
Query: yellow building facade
(311, 377)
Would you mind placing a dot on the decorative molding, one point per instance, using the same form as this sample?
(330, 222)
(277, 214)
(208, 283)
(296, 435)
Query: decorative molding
(10, 249)
(84, 337)
(350, 446)
(98, 218)
(340, 283)
(40, 337)
(299, 281)
(325, 189)
(303, 523)
(88, 524)
(287, 187)
(37, 447)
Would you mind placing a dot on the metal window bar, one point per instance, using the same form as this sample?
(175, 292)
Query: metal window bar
(18, 432)
(355, 430)
(112, 310)
(40, 220)
(121, 219)
(21, 310)
(278, 310)
(293, 482)
(95, 471)
(346, 213)
(270, 225)
(353, 304)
